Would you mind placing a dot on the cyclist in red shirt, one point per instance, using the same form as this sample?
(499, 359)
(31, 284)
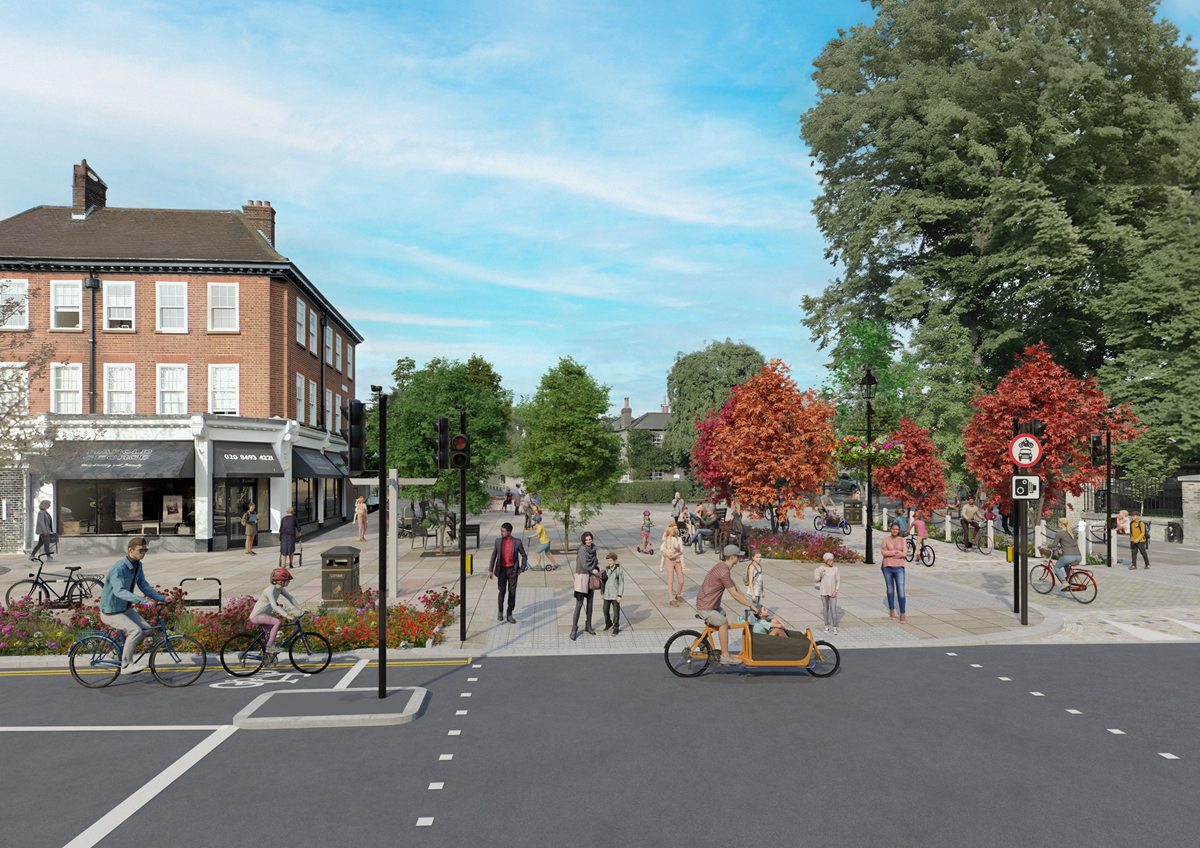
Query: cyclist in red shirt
(708, 600)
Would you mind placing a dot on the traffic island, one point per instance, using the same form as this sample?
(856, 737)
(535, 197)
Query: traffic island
(307, 708)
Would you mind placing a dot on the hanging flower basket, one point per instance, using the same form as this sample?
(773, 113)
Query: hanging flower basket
(855, 451)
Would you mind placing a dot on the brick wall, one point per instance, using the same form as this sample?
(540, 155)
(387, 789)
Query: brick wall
(12, 529)
(299, 358)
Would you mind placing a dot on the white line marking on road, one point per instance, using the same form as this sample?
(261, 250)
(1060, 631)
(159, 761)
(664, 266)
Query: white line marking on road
(454, 733)
(460, 712)
(425, 821)
(1188, 625)
(108, 727)
(472, 679)
(118, 814)
(976, 665)
(1037, 694)
(951, 654)
(1169, 756)
(436, 785)
(349, 676)
(465, 695)
(446, 757)
(1113, 730)
(1074, 712)
(476, 666)
(1145, 632)
(1004, 678)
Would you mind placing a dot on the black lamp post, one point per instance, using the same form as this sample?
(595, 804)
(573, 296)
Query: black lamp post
(867, 388)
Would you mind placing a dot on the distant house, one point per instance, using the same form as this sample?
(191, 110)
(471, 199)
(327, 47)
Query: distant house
(656, 423)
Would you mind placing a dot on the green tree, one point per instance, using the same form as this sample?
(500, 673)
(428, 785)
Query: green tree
(701, 381)
(1144, 464)
(436, 390)
(570, 454)
(862, 343)
(643, 456)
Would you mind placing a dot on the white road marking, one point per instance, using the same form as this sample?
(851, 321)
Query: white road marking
(446, 757)
(460, 712)
(436, 785)
(1116, 732)
(118, 814)
(465, 695)
(472, 679)
(1188, 625)
(349, 676)
(425, 821)
(476, 666)
(951, 654)
(454, 733)
(976, 665)
(1074, 712)
(1145, 632)
(1169, 756)
(108, 727)
(1004, 678)
(1037, 694)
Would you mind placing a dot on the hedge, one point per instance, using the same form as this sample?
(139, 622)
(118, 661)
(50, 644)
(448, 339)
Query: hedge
(656, 491)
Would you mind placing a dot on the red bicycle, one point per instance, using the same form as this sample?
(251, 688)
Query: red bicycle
(1080, 584)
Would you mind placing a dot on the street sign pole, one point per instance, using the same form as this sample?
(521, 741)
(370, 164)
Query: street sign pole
(462, 537)
(1018, 530)
(384, 518)
(1108, 497)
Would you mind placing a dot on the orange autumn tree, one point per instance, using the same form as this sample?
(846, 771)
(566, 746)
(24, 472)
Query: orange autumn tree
(769, 440)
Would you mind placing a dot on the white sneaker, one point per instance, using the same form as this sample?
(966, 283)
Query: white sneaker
(730, 660)
(133, 668)
(835, 631)
(826, 629)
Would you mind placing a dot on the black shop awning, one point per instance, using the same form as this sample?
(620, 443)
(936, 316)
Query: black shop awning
(118, 461)
(245, 459)
(308, 463)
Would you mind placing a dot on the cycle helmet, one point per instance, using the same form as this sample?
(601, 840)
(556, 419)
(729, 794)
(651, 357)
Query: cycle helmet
(280, 574)
(645, 512)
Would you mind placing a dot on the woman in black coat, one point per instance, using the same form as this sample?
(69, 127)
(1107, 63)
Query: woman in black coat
(586, 564)
(289, 532)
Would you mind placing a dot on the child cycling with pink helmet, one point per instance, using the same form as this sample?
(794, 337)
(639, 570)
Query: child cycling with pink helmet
(646, 525)
(272, 599)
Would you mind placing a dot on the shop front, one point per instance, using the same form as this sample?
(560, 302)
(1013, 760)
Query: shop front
(318, 488)
(241, 471)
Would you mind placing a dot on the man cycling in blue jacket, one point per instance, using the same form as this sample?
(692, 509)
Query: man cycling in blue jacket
(117, 599)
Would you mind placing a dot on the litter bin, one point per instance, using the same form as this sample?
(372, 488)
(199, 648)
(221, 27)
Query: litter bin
(852, 511)
(339, 572)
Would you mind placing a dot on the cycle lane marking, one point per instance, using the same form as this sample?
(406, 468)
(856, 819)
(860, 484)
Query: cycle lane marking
(148, 792)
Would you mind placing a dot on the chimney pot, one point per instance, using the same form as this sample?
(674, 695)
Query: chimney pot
(262, 217)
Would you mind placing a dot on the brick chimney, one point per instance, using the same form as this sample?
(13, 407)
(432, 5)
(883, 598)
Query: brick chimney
(89, 192)
(262, 217)
(626, 414)
(665, 408)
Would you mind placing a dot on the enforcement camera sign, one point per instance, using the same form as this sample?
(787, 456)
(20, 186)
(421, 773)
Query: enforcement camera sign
(1026, 488)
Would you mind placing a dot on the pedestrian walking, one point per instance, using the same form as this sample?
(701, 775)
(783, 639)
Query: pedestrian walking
(892, 550)
(360, 517)
(587, 581)
(613, 590)
(44, 527)
(678, 507)
(508, 561)
(527, 509)
(543, 538)
(754, 580)
(507, 500)
(828, 580)
(250, 522)
(672, 561)
(1139, 540)
(117, 599)
(289, 534)
(647, 545)
(1006, 519)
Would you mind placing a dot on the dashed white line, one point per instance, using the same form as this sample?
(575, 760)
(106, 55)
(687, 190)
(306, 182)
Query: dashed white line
(436, 785)
(1169, 756)
(465, 695)
(1116, 732)
(472, 679)
(446, 757)
(976, 665)
(1008, 679)
(951, 654)
(1074, 712)
(454, 733)
(476, 666)
(1037, 694)
(460, 712)
(425, 821)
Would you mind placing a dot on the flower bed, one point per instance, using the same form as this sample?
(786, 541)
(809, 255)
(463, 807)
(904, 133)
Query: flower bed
(802, 545)
(29, 629)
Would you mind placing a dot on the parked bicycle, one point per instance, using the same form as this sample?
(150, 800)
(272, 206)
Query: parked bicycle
(928, 554)
(244, 654)
(978, 539)
(1080, 584)
(95, 656)
(38, 590)
(819, 524)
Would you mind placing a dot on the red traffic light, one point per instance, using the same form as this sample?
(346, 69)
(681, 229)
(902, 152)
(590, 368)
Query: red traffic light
(459, 443)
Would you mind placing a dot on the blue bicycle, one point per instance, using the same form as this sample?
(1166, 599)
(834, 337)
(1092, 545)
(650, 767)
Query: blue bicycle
(244, 654)
(96, 656)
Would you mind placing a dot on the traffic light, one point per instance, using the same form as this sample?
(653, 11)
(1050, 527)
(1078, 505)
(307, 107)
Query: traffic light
(460, 451)
(441, 443)
(1099, 457)
(355, 434)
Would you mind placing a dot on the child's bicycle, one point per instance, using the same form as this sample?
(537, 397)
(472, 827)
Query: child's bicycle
(928, 554)
(244, 654)
(96, 657)
(689, 653)
(1080, 583)
(820, 524)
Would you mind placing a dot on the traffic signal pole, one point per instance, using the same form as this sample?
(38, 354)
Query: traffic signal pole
(1108, 528)
(384, 518)
(462, 537)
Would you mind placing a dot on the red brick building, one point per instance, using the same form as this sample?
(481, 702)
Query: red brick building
(181, 322)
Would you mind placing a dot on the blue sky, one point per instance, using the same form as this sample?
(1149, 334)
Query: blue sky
(611, 181)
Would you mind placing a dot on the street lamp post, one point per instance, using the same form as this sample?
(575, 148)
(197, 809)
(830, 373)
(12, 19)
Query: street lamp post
(867, 388)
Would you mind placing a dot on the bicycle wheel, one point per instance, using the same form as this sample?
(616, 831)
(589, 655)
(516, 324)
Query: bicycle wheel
(85, 589)
(910, 551)
(982, 545)
(928, 555)
(684, 657)
(818, 524)
(310, 652)
(25, 589)
(1083, 586)
(95, 661)
(957, 536)
(178, 660)
(825, 665)
(242, 655)
(1041, 578)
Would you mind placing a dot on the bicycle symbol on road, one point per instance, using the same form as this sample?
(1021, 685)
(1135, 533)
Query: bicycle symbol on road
(259, 680)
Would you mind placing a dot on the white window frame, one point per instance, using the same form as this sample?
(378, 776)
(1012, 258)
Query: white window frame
(158, 386)
(237, 308)
(312, 403)
(9, 288)
(237, 406)
(108, 368)
(328, 345)
(301, 321)
(299, 397)
(132, 306)
(22, 405)
(158, 307)
(328, 410)
(349, 360)
(56, 284)
(55, 368)
(337, 413)
(337, 352)
(313, 333)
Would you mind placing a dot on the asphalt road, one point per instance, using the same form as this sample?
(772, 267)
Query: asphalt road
(901, 747)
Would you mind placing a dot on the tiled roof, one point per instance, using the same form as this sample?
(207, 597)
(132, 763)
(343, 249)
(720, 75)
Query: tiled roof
(645, 421)
(49, 232)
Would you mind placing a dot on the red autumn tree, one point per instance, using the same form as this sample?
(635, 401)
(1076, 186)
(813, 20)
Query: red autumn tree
(769, 439)
(918, 479)
(1072, 409)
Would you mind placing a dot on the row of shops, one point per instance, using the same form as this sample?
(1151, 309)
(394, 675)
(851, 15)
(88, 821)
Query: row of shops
(185, 482)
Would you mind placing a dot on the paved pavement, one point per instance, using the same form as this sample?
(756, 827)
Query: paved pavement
(963, 598)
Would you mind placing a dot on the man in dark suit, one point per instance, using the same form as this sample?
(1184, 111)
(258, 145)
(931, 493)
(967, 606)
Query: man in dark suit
(508, 561)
